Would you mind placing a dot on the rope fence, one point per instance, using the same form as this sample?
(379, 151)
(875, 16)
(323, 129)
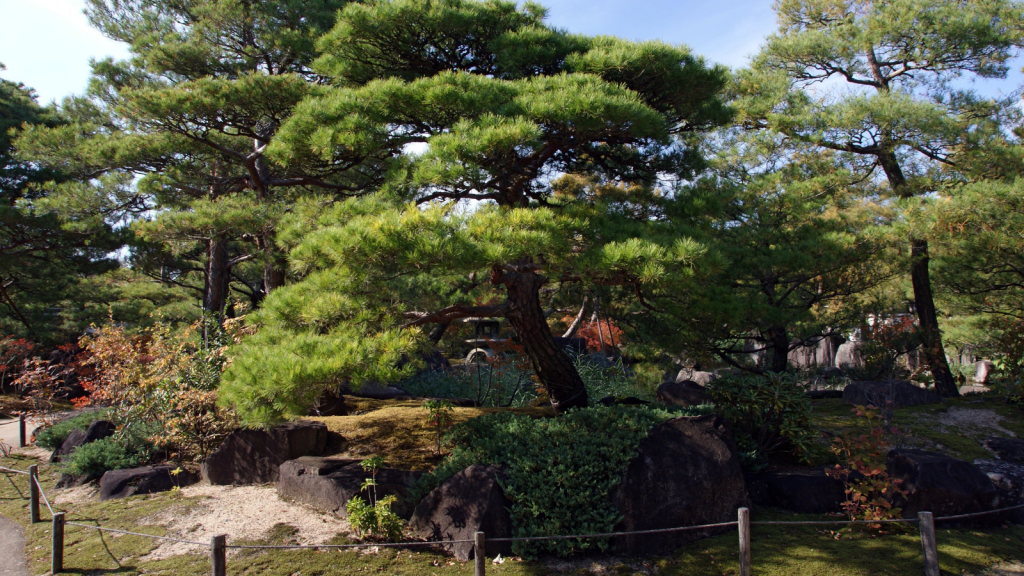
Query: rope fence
(218, 544)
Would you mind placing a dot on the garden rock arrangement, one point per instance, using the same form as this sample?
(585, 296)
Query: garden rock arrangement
(940, 484)
(468, 502)
(142, 480)
(686, 472)
(803, 490)
(255, 456)
(98, 430)
(329, 483)
(1008, 449)
(686, 393)
(901, 394)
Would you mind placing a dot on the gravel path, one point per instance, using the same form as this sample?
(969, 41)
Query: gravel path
(12, 549)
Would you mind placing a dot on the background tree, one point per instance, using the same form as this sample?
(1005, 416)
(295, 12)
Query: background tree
(189, 116)
(875, 82)
(45, 249)
(793, 233)
(499, 105)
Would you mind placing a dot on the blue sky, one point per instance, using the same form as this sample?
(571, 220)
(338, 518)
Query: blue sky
(46, 44)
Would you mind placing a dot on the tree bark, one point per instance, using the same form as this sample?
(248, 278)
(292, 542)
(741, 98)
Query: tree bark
(553, 367)
(217, 276)
(780, 349)
(924, 304)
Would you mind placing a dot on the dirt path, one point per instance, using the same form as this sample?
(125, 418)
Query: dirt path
(12, 549)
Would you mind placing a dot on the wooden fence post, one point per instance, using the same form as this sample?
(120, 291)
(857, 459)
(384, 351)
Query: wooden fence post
(743, 523)
(22, 439)
(33, 493)
(218, 556)
(930, 553)
(480, 554)
(57, 554)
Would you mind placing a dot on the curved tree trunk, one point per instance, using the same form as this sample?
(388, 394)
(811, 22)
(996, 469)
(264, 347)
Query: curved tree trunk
(554, 368)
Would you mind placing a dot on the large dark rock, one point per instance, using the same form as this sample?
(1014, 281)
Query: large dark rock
(686, 393)
(254, 456)
(686, 472)
(98, 430)
(901, 394)
(329, 483)
(940, 484)
(468, 502)
(144, 480)
(1009, 449)
(803, 490)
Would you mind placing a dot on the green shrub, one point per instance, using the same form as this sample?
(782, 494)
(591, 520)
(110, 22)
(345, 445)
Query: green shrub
(95, 458)
(617, 380)
(53, 436)
(559, 471)
(770, 415)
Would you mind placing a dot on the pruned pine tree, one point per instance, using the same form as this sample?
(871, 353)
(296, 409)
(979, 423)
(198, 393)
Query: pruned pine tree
(486, 105)
(876, 82)
(189, 116)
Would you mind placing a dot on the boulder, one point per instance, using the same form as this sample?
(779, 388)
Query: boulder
(686, 472)
(901, 394)
(143, 480)
(468, 502)
(329, 483)
(803, 490)
(983, 369)
(98, 430)
(686, 393)
(848, 356)
(940, 484)
(1008, 478)
(623, 401)
(254, 456)
(1008, 449)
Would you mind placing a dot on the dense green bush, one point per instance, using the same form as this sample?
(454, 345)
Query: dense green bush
(114, 453)
(770, 415)
(53, 436)
(559, 471)
(617, 380)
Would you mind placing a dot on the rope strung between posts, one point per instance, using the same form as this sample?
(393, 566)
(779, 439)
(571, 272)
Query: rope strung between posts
(43, 494)
(612, 534)
(5, 469)
(116, 531)
(796, 522)
(986, 513)
(365, 545)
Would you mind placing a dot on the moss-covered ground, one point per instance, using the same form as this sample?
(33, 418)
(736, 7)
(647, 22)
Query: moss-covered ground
(397, 429)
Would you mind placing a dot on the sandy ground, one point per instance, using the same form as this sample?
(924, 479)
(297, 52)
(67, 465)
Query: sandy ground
(973, 420)
(243, 513)
(1004, 569)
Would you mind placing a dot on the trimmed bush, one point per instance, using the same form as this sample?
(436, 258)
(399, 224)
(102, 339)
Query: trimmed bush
(770, 415)
(95, 458)
(559, 471)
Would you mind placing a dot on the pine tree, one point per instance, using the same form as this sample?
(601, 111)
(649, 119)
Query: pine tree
(189, 116)
(474, 101)
(900, 115)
